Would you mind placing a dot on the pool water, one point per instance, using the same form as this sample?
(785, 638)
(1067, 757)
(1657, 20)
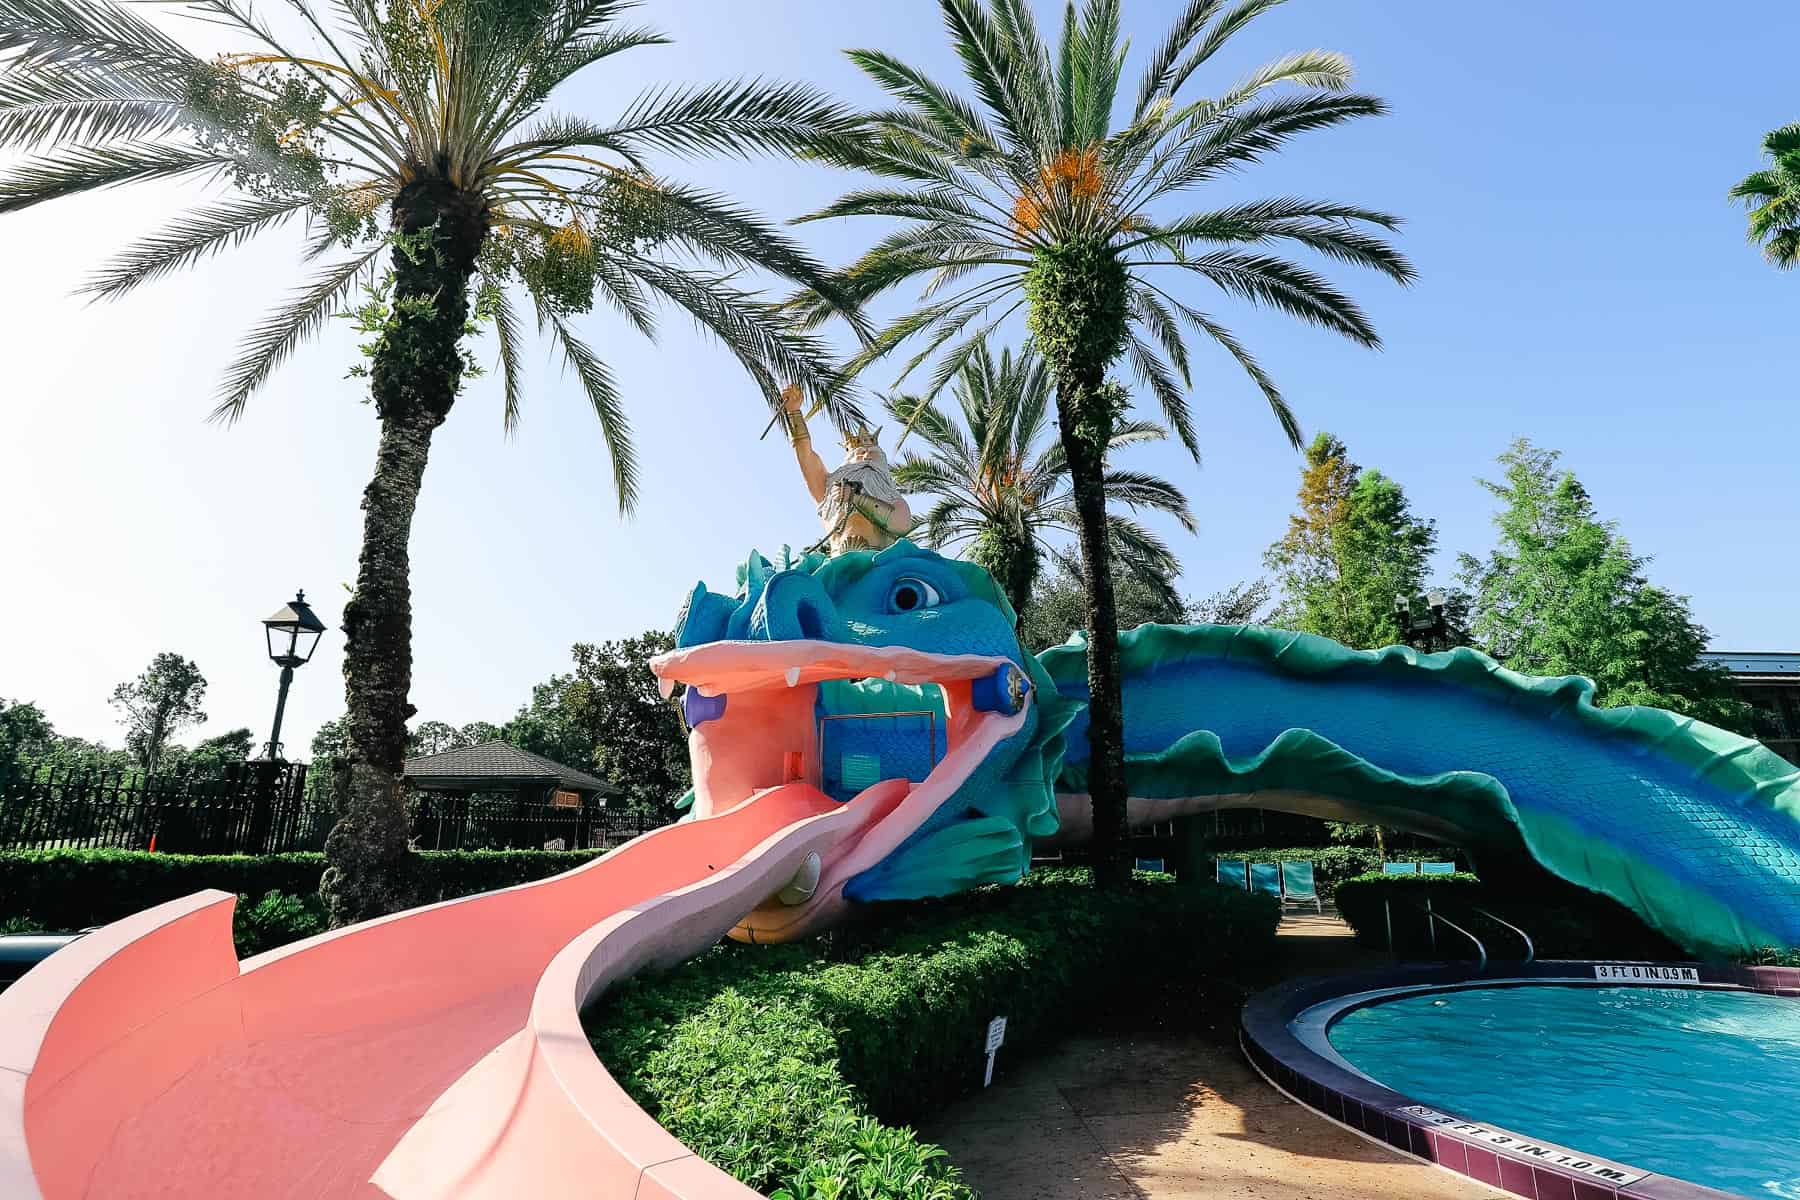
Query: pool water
(1701, 1085)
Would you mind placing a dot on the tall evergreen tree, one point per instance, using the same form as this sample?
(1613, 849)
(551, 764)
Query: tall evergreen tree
(1563, 593)
(1353, 545)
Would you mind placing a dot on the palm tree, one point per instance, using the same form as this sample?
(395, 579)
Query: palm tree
(1004, 491)
(1773, 197)
(1030, 196)
(418, 129)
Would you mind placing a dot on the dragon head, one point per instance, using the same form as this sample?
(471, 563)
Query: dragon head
(848, 673)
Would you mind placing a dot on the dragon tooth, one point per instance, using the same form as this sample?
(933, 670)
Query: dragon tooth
(891, 676)
(792, 675)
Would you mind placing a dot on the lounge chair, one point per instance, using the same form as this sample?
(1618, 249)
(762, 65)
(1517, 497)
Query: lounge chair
(1297, 885)
(1439, 868)
(1231, 872)
(1394, 868)
(1150, 864)
(1265, 877)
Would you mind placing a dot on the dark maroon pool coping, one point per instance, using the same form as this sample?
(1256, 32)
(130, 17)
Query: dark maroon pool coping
(1382, 1113)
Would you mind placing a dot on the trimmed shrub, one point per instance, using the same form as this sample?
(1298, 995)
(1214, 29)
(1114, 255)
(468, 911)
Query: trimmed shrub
(1562, 920)
(789, 1066)
(72, 889)
(1334, 864)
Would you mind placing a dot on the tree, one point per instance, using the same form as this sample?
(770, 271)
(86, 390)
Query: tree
(1772, 196)
(1001, 491)
(608, 717)
(1242, 603)
(327, 754)
(158, 704)
(1030, 197)
(435, 737)
(1058, 607)
(25, 733)
(211, 755)
(1564, 594)
(1351, 548)
(418, 131)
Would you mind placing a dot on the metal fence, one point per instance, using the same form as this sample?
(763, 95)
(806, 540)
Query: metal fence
(499, 822)
(245, 808)
(255, 808)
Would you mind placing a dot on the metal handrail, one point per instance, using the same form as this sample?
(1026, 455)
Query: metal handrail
(1430, 917)
(1530, 950)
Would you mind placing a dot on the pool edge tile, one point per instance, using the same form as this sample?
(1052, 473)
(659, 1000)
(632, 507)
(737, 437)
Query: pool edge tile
(1516, 1177)
(1483, 1164)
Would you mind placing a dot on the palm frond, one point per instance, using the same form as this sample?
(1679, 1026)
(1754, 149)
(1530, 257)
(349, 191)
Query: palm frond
(735, 118)
(498, 306)
(54, 104)
(603, 394)
(188, 239)
(1288, 287)
(268, 345)
(78, 169)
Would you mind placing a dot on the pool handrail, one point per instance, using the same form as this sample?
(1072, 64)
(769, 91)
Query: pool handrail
(1530, 950)
(1430, 917)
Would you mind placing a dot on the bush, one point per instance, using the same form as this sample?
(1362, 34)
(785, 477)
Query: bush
(789, 1066)
(1562, 920)
(72, 889)
(275, 920)
(1334, 864)
(1774, 956)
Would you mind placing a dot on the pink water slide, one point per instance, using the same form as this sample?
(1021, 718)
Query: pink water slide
(434, 1053)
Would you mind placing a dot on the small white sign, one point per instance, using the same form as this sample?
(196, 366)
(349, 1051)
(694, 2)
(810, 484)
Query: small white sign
(1543, 1152)
(1645, 973)
(996, 1035)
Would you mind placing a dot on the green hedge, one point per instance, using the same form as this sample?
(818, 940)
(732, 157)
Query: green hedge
(72, 889)
(1563, 921)
(791, 1066)
(1334, 864)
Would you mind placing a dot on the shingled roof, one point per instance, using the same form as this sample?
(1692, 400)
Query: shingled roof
(497, 764)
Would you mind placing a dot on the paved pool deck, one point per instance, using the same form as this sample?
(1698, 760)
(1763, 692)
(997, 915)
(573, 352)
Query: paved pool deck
(1176, 1115)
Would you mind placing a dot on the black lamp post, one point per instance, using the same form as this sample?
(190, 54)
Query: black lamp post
(292, 635)
(1432, 633)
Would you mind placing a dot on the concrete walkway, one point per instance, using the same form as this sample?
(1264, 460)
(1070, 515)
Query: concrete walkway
(1157, 1116)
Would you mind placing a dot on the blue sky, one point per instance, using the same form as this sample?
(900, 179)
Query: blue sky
(1583, 283)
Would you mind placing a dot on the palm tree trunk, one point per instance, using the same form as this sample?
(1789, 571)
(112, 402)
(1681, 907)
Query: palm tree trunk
(1106, 725)
(1077, 293)
(414, 379)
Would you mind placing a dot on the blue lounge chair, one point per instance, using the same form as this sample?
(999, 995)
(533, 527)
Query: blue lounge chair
(1150, 864)
(1265, 877)
(1231, 872)
(1448, 868)
(1297, 885)
(1394, 868)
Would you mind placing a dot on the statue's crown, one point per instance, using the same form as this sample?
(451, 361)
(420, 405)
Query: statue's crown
(863, 438)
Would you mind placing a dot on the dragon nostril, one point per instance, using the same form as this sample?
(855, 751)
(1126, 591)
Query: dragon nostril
(1003, 691)
(700, 709)
(812, 626)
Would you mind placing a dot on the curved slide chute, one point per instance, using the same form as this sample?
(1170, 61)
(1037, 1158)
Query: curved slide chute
(1695, 829)
(434, 1053)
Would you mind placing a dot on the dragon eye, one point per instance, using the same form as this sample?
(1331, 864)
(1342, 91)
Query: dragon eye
(910, 595)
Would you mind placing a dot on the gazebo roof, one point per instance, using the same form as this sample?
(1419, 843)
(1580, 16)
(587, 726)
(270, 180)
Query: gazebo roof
(496, 764)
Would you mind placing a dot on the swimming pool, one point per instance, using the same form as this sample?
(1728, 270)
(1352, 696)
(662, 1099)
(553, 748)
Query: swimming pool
(1697, 1084)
